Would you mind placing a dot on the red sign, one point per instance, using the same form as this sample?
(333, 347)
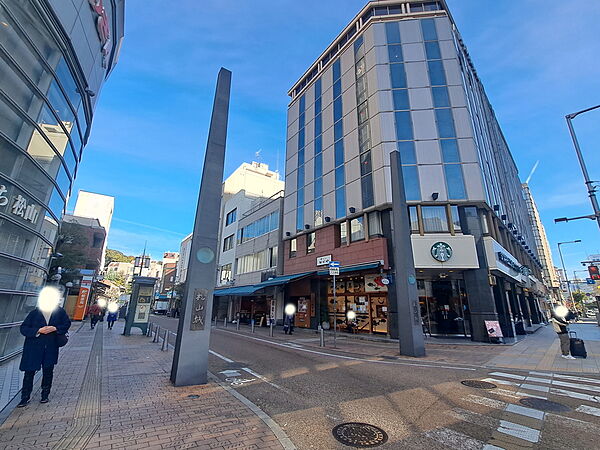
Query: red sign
(81, 303)
(594, 272)
(103, 28)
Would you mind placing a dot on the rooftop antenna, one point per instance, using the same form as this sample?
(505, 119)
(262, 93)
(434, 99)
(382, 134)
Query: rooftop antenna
(537, 163)
(257, 155)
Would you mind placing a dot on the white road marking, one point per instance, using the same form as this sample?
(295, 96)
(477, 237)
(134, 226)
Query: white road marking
(454, 439)
(224, 358)
(519, 431)
(231, 373)
(574, 378)
(257, 375)
(495, 380)
(588, 410)
(350, 358)
(583, 387)
(589, 398)
(491, 447)
(511, 394)
(535, 387)
(523, 411)
(524, 394)
(507, 375)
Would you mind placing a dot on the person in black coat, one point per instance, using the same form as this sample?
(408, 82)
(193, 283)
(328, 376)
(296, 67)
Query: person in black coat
(40, 351)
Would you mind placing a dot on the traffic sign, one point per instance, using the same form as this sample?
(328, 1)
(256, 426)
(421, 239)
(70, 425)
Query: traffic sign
(334, 264)
(590, 281)
(334, 268)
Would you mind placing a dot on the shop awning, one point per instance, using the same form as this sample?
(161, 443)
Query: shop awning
(368, 266)
(278, 281)
(238, 290)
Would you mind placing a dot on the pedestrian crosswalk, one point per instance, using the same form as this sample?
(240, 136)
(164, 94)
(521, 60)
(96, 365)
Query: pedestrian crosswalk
(509, 423)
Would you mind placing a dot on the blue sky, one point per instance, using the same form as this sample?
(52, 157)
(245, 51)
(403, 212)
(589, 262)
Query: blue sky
(538, 61)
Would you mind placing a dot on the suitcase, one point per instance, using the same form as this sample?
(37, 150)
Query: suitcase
(577, 346)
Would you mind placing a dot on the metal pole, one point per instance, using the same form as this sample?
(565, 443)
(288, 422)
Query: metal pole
(149, 330)
(156, 334)
(237, 324)
(164, 344)
(225, 322)
(334, 314)
(321, 336)
(565, 272)
(589, 183)
(252, 325)
(271, 328)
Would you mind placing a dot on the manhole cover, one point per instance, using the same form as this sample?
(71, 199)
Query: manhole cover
(543, 405)
(193, 396)
(359, 435)
(478, 384)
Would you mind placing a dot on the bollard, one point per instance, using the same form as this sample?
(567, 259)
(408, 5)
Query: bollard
(149, 329)
(271, 328)
(252, 325)
(165, 344)
(321, 336)
(225, 322)
(156, 333)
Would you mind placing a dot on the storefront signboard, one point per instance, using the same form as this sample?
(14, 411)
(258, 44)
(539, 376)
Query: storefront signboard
(375, 283)
(441, 251)
(493, 328)
(18, 204)
(323, 260)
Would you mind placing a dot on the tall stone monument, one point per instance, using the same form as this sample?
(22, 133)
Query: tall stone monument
(190, 361)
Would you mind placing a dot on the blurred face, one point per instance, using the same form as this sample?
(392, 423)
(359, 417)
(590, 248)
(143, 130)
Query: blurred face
(561, 311)
(102, 303)
(113, 307)
(49, 299)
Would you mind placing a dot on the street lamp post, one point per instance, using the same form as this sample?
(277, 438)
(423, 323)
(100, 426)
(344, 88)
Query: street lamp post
(589, 183)
(565, 270)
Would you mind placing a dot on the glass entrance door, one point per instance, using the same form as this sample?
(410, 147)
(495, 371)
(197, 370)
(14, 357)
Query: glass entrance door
(379, 314)
(444, 307)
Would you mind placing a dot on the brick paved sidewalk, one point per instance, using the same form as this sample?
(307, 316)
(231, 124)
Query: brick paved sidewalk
(538, 351)
(112, 391)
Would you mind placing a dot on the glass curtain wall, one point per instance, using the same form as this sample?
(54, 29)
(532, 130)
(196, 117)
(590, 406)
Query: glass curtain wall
(42, 125)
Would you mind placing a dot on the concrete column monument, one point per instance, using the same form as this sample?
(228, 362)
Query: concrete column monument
(190, 360)
(410, 328)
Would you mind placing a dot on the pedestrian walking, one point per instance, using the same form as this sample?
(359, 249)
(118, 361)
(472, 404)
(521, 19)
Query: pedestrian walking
(111, 318)
(560, 324)
(95, 312)
(45, 330)
(288, 324)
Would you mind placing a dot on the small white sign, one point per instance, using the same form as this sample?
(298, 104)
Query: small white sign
(334, 271)
(323, 260)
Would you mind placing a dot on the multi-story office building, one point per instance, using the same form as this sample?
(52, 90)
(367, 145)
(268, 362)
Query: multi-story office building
(549, 278)
(399, 78)
(55, 56)
(96, 206)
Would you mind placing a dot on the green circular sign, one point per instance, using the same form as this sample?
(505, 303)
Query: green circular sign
(205, 255)
(441, 251)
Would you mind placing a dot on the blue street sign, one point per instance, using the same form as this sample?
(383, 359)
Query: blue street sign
(334, 264)
(590, 281)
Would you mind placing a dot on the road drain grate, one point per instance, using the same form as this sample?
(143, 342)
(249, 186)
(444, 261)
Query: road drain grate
(479, 384)
(543, 405)
(359, 435)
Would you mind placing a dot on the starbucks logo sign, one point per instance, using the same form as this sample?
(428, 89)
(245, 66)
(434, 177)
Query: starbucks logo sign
(441, 251)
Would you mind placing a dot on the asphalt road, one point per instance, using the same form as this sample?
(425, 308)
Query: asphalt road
(308, 391)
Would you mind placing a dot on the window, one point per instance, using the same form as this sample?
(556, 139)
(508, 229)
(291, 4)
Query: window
(98, 240)
(225, 273)
(375, 228)
(455, 182)
(401, 99)
(392, 31)
(273, 252)
(228, 243)
(231, 217)
(432, 49)
(456, 219)
(338, 151)
(357, 229)
(428, 27)
(437, 76)
(413, 217)
(440, 97)
(398, 76)
(343, 233)
(434, 219)
(366, 183)
(407, 152)
(404, 131)
(445, 123)
(293, 248)
(395, 53)
(411, 183)
(310, 242)
(450, 151)
(340, 203)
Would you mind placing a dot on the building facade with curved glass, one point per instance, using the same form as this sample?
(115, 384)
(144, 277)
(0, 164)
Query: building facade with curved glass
(55, 56)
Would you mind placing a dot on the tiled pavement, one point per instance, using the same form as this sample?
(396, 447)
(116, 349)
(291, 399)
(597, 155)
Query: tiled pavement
(139, 408)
